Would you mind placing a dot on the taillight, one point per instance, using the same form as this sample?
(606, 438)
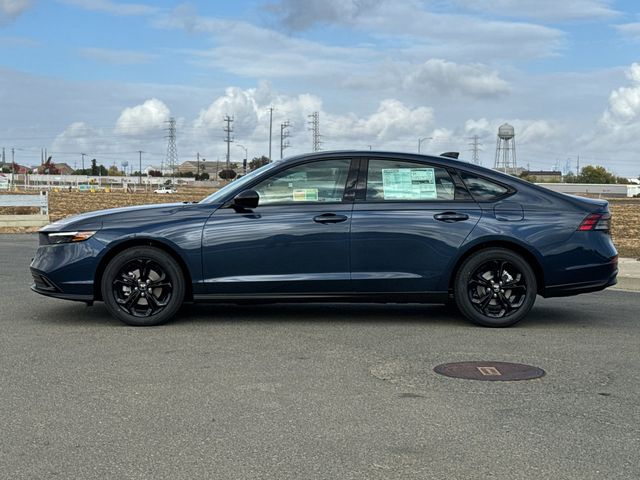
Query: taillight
(596, 221)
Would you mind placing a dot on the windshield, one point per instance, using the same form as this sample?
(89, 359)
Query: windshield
(220, 194)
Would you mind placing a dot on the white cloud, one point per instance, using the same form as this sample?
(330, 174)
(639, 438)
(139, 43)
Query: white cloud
(296, 15)
(10, 9)
(148, 117)
(391, 122)
(552, 10)
(442, 76)
(77, 137)
(624, 102)
(631, 30)
(116, 57)
(113, 8)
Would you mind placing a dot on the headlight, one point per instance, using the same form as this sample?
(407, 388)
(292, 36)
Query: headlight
(55, 238)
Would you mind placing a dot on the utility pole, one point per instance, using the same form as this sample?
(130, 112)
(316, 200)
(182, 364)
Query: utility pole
(140, 152)
(578, 165)
(228, 129)
(315, 130)
(13, 166)
(197, 165)
(420, 140)
(284, 134)
(475, 149)
(83, 155)
(172, 149)
(270, 130)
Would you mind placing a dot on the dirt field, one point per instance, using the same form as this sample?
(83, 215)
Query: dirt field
(626, 212)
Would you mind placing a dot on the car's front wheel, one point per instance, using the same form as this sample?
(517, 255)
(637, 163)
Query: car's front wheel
(495, 287)
(143, 286)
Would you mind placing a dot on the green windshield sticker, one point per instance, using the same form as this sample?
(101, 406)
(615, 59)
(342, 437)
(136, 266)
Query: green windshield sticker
(409, 183)
(305, 195)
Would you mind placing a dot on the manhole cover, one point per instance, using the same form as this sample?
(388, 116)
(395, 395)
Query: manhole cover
(491, 371)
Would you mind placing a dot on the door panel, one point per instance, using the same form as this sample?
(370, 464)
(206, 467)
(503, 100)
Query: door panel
(403, 248)
(295, 241)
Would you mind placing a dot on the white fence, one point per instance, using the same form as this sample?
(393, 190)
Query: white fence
(40, 201)
(130, 183)
(594, 189)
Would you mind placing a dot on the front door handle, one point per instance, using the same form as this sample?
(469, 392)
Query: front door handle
(450, 217)
(330, 218)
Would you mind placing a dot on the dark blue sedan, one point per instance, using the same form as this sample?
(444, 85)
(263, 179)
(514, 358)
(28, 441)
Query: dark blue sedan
(342, 227)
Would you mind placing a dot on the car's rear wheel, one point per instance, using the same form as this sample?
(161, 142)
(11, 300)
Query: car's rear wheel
(495, 287)
(143, 286)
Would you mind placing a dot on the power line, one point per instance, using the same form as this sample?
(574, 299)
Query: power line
(172, 149)
(228, 129)
(475, 149)
(315, 129)
(284, 134)
(270, 129)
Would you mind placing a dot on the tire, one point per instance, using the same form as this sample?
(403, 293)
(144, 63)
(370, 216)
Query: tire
(481, 288)
(143, 286)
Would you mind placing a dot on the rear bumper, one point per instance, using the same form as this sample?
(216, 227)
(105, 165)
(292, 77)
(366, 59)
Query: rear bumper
(601, 277)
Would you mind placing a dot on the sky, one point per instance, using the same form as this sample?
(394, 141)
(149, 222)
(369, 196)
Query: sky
(103, 77)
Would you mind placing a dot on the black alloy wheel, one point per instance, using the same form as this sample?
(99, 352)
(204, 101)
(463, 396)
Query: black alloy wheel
(495, 287)
(143, 286)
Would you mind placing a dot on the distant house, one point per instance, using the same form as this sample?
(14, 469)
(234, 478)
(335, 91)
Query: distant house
(543, 176)
(64, 169)
(191, 166)
(15, 168)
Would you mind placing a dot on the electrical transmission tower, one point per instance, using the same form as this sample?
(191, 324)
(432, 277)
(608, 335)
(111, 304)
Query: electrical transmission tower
(172, 149)
(228, 129)
(475, 149)
(284, 134)
(315, 129)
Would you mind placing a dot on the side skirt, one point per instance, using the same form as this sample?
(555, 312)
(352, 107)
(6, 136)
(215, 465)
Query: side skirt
(382, 297)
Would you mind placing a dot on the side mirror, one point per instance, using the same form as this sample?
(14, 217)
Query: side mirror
(247, 199)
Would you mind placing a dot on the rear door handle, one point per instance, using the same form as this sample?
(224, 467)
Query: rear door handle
(330, 218)
(450, 217)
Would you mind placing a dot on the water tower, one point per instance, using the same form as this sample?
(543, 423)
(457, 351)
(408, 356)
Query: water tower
(506, 149)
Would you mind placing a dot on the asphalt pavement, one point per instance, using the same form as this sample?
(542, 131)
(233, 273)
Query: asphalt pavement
(312, 391)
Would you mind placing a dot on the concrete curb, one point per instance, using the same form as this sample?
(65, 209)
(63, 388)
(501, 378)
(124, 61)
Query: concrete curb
(628, 274)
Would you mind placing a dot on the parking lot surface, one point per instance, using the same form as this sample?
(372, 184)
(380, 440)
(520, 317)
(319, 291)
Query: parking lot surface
(312, 391)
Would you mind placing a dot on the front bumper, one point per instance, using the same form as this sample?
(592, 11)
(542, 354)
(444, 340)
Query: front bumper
(44, 286)
(66, 270)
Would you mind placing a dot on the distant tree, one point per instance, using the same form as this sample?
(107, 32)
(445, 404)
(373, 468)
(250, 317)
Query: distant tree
(258, 162)
(227, 174)
(94, 167)
(202, 176)
(155, 173)
(137, 174)
(597, 174)
(6, 170)
(570, 178)
(113, 171)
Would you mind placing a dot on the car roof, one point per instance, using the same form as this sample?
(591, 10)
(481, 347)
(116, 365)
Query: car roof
(438, 159)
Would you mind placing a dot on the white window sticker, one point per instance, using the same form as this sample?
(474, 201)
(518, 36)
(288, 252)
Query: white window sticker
(409, 183)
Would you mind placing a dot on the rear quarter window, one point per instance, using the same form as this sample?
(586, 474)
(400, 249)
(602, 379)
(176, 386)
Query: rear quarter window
(482, 189)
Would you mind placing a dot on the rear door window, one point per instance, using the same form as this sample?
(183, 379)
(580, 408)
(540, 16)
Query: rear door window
(394, 180)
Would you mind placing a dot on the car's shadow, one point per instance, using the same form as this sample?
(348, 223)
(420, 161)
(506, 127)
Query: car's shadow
(546, 315)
